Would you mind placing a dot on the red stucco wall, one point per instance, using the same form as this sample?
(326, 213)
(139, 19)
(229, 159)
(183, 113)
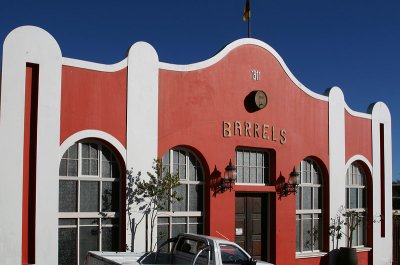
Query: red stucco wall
(93, 100)
(358, 136)
(194, 105)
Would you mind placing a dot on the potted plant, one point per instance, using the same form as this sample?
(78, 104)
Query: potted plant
(350, 220)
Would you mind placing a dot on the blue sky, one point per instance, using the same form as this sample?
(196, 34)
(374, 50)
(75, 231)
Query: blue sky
(353, 44)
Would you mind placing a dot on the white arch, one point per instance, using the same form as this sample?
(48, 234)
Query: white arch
(360, 158)
(93, 134)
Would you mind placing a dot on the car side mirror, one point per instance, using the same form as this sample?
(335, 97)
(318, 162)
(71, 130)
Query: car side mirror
(252, 261)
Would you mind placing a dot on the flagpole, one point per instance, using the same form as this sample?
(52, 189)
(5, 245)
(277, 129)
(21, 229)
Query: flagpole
(248, 23)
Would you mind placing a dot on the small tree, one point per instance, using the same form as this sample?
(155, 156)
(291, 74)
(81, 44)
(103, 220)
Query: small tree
(150, 195)
(335, 229)
(347, 218)
(352, 219)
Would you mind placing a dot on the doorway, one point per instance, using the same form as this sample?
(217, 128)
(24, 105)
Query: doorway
(252, 222)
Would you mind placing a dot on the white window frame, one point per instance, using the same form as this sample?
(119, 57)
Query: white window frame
(316, 213)
(265, 167)
(184, 214)
(99, 215)
(358, 182)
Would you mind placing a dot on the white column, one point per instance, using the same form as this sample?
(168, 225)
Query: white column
(142, 121)
(337, 143)
(33, 45)
(382, 246)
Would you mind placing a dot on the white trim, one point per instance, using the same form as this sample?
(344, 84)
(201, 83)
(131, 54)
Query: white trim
(95, 66)
(360, 158)
(142, 122)
(337, 150)
(362, 249)
(382, 251)
(252, 184)
(246, 41)
(310, 255)
(76, 137)
(356, 113)
(23, 45)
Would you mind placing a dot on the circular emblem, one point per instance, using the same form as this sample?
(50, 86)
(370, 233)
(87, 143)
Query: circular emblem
(260, 98)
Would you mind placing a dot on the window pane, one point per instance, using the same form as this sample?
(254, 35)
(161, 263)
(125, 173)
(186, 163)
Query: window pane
(307, 198)
(182, 193)
(353, 198)
(253, 159)
(199, 173)
(85, 167)
(89, 221)
(179, 220)
(67, 246)
(88, 241)
(316, 235)
(85, 150)
(162, 233)
(316, 175)
(73, 168)
(93, 151)
(67, 196)
(192, 167)
(361, 198)
(73, 151)
(63, 167)
(307, 238)
(246, 159)
(239, 158)
(195, 197)
(298, 198)
(239, 176)
(298, 231)
(196, 229)
(106, 170)
(260, 160)
(115, 170)
(178, 229)
(89, 196)
(317, 198)
(109, 238)
(105, 154)
(182, 172)
(246, 174)
(110, 196)
(253, 175)
(66, 221)
(182, 160)
(361, 229)
(93, 167)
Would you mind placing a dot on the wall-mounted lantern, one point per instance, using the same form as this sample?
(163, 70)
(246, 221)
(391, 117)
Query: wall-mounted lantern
(285, 188)
(229, 177)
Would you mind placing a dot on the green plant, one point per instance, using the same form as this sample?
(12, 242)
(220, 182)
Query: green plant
(335, 228)
(149, 195)
(350, 219)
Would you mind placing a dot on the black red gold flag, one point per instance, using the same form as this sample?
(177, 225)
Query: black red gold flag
(246, 12)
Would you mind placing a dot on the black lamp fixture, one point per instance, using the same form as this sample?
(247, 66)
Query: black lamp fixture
(229, 177)
(285, 188)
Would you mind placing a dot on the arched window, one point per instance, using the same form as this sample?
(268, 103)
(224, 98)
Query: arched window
(185, 216)
(308, 208)
(89, 202)
(356, 200)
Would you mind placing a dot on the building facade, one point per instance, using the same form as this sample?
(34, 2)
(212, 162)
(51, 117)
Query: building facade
(69, 129)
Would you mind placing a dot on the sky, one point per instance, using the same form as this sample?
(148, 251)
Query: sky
(352, 44)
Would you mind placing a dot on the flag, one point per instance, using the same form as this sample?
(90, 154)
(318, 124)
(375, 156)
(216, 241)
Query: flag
(246, 12)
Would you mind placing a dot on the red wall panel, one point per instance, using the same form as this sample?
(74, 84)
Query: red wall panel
(93, 100)
(358, 136)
